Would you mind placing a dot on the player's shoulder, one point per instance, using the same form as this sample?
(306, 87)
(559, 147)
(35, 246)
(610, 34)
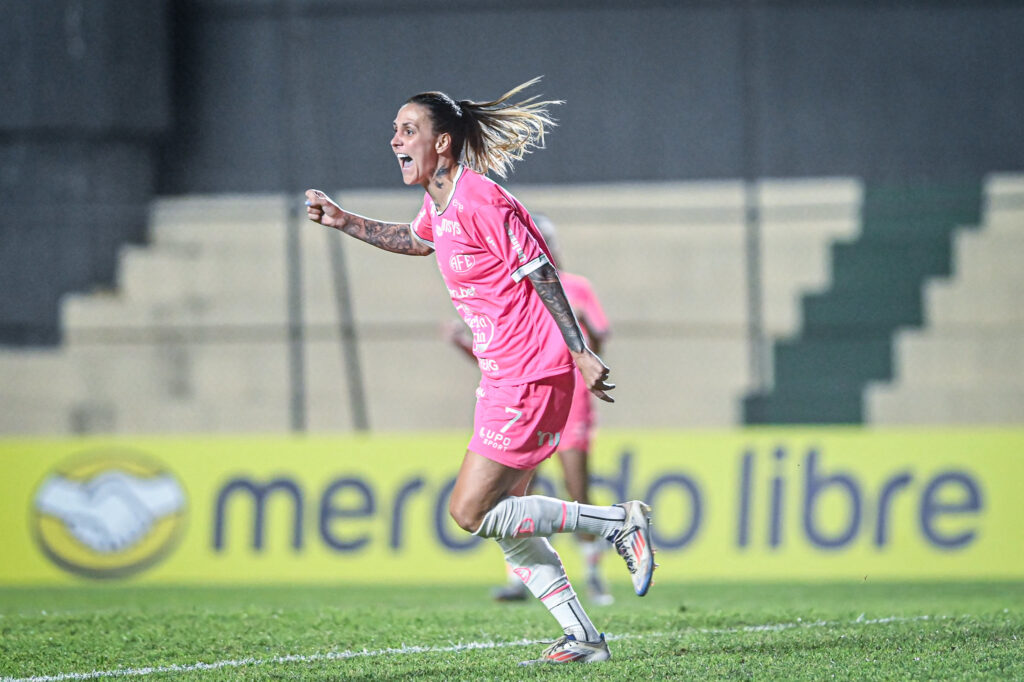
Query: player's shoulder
(477, 195)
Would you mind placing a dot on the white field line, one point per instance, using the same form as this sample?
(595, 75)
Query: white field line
(469, 646)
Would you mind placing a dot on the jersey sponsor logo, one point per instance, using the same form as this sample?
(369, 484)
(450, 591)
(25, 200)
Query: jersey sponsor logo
(449, 227)
(482, 329)
(551, 439)
(487, 365)
(494, 439)
(461, 262)
(464, 292)
(515, 244)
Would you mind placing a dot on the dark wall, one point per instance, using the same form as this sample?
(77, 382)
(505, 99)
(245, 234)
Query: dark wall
(106, 103)
(85, 96)
(653, 90)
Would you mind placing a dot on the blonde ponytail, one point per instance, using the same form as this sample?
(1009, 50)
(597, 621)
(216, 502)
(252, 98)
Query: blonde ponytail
(490, 136)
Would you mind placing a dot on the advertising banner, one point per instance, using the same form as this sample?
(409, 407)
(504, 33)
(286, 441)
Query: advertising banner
(759, 504)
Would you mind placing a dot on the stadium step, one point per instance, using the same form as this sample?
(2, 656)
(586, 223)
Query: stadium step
(876, 287)
(966, 365)
(194, 335)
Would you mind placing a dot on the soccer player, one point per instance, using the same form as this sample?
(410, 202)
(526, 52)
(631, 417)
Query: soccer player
(525, 337)
(577, 434)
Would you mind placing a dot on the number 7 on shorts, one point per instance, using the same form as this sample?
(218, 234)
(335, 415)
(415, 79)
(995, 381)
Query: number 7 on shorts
(513, 420)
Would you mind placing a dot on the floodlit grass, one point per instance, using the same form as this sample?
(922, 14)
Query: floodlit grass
(742, 631)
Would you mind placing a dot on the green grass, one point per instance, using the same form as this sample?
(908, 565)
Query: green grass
(705, 631)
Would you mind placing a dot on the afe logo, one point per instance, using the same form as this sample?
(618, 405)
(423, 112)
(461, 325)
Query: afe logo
(461, 262)
(108, 514)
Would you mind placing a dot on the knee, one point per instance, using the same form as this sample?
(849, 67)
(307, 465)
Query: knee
(466, 515)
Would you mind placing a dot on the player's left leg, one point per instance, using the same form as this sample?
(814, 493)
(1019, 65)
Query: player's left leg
(482, 504)
(626, 525)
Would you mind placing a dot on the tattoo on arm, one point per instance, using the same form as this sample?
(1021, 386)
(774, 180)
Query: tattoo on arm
(545, 281)
(394, 237)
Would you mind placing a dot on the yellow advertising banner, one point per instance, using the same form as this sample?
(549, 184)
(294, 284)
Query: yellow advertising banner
(760, 504)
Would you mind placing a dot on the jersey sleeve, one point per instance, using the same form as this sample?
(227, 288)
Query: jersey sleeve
(504, 233)
(422, 226)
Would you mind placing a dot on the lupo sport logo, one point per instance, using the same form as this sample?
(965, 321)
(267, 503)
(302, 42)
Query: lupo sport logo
(108, 514)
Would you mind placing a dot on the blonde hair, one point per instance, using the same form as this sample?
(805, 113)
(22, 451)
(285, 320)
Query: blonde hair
(490, 136)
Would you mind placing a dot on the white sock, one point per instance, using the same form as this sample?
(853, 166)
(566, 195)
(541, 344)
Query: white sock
(537, 515)
(538, 565)
(604, 522)
(529, 515)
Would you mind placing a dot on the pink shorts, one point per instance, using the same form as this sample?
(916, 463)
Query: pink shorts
(579, 427)
(521, 425)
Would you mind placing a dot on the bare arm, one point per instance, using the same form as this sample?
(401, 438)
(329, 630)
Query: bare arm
(394, 237)
(549, 288)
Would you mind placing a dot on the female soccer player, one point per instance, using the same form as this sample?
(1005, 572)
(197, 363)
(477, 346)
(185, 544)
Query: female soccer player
(578, 432)
(526, 340)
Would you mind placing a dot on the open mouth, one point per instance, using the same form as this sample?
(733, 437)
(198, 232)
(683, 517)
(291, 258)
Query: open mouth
(404, 160)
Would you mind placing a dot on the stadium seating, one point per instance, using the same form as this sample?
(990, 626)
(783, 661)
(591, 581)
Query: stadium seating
(195, 336)
(875, 287)
(966, 365)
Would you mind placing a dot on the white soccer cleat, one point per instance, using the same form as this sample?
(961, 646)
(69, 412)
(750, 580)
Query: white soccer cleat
(568, 649)
(633, 543)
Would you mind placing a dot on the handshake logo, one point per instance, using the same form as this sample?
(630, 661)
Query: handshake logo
(108, 516)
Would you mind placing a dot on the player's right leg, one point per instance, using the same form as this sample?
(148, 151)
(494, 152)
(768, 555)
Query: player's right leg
(532, 558)
(626, 525)
(633, 543)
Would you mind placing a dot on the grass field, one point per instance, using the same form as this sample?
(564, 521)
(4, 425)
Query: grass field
(704, 631)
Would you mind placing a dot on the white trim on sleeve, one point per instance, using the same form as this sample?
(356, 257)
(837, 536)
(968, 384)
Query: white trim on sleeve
(419, 238)
(540, 260)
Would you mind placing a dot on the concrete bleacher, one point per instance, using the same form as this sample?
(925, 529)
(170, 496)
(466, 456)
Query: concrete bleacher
(966, 365)
(874, 289)
(194, 337)
(799, 220)
(676, 288)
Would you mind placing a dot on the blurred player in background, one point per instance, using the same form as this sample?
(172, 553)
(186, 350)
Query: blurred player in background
(578, 432)
(526, 341)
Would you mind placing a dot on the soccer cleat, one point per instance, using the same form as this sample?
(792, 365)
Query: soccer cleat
(633, 543)
(568, 649)
(511, 592)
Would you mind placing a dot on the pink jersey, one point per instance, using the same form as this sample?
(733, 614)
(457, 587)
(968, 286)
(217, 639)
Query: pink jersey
(486, 244)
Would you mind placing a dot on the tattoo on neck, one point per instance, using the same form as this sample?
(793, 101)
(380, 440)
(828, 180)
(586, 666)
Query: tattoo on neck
(439, 176)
